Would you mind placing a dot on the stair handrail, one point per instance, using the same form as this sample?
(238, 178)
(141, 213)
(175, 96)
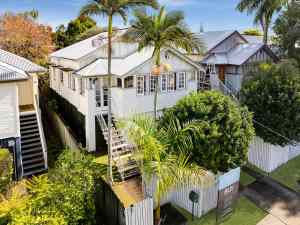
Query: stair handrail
(101, 120)
(41, 130)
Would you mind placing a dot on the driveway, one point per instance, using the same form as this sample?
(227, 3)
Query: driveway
(282, 204)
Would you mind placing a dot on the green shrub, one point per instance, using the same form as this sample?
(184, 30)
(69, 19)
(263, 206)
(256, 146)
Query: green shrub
(224, 129)
(273, 93)
(6, 169)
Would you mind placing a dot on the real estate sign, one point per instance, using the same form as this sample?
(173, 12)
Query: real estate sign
(228, 189)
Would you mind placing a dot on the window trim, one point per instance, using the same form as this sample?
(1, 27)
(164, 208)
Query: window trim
(142, 88)
(179, 74)
(164, 77)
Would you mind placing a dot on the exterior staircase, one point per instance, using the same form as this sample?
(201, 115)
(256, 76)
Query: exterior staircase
(122, 152)
(32, 149)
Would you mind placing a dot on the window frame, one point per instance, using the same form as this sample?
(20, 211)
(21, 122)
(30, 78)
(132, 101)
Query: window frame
(140, 85)
(179, 76)
(126, 82)
(164, 81)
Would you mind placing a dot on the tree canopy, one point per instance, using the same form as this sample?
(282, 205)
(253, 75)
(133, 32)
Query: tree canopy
(65, 36)
(6, 169)
(253, 32)
(25, 37)
(287, 30)
(272, 92)
(63, 196)
(224, 129)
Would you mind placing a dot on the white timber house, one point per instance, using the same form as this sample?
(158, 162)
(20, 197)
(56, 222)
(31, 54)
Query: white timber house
(78, 73)
(21, 129)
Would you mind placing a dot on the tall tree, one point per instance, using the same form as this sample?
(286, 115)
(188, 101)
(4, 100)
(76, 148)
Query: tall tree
(162, 30)
(159, 164)
(287, 30)
(263, 10)
(25, 37)
(111, 9)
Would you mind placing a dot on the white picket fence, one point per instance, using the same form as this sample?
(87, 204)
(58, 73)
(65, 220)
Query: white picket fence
(140, 213)
(269, 157)
(180, 196)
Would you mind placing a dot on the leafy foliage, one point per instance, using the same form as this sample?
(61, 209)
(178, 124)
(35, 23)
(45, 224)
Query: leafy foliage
(162, 30)
(273, 94)
(224, 130)
(6, 169)
(64, 196)
(158, 164)
(23, 36)
(252, 32)
(263, 10)
(65, 36)
(287, 29)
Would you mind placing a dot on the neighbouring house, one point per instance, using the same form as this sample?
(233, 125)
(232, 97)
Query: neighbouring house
(21, 129)
(229, 56)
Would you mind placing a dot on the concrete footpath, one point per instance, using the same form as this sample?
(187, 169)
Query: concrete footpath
(282, 204)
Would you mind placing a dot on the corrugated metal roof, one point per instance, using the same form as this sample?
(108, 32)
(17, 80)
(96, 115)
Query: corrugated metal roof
(82, 48)
(19, 62)
(253, 39)
(236, 56)
(120, 66)
(213, 38)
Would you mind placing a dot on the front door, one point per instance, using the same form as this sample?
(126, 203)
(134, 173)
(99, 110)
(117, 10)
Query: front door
(222, 73)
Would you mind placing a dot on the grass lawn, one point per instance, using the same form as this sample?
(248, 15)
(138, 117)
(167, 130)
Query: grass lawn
(288, 174)
(246, 179)
(246, 213)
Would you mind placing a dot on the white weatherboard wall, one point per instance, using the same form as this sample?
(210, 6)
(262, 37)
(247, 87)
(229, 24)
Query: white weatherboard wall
(269, 157)
(9, 111)
(140, 213)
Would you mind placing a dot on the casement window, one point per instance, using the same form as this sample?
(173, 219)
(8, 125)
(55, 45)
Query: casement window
(82, 86)
(171, 82)
(140, 85)
(181, 80)
(164, 80)
(128, 82)
(61, 74)
(153, 80)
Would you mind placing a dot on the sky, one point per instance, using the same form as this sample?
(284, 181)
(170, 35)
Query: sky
(213, 14)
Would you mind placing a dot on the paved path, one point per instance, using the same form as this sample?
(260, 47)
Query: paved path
(282, 204)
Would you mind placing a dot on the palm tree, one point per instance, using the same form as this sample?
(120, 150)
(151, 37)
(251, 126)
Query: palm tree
(264, 11)
(162, 30)
(111, 8)
(158, 161)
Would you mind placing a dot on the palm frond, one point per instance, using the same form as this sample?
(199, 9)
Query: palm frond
(93, 8)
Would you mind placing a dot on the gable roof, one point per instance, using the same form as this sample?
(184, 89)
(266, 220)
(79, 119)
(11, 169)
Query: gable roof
(14, 67)
(123, 66)
(85, 47)
(238, 55)
(19, 62)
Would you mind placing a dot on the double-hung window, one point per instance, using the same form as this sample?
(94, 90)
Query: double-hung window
(73, 85)
(164, 80)
(140, 85)
(61, 74)
(171, 82)
(153, 80)
(69, 79)
(181, 80)
(82, 86)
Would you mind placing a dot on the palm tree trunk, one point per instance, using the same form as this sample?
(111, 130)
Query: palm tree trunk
(109, 98)
(157, 212)
(157, 63)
